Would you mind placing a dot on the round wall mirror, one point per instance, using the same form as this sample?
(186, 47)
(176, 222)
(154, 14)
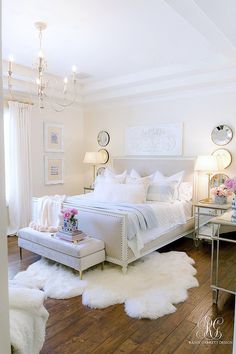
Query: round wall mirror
(224, 158)
(105, 155)
(218, 179)
(222, 134)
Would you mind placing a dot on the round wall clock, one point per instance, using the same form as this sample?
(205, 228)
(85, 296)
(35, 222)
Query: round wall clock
(103, 138)
(224, 158)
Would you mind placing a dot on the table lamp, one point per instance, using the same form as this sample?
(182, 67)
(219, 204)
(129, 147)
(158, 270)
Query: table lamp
(207, 164)
(93, 158)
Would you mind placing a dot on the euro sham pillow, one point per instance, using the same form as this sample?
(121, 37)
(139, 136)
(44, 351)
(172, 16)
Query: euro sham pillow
(165, 191)
(120, 193)
(110, 177)
(119, 178)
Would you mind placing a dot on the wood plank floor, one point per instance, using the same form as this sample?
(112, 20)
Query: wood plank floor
(75, 329)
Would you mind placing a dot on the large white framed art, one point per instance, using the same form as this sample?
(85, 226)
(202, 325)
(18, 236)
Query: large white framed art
(53, 170)
(53, 137)
(162, 139)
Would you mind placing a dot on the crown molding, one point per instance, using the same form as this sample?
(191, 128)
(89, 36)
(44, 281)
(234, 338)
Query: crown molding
(157, 84)
(166, 86)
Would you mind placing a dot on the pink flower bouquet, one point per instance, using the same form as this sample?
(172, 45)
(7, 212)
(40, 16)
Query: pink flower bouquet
(230, 184)
(69, 213)
(221, 191)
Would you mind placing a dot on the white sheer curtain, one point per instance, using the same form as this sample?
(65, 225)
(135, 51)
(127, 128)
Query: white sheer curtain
(18, 184)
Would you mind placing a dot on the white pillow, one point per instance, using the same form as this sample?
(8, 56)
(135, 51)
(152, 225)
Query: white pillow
(134, 174)
(162, 191)
(176, 177)
(119, 178)
(186, 191)
(120, 193)
(144, 181)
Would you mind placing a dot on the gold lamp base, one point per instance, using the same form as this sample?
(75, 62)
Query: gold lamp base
(206, 201)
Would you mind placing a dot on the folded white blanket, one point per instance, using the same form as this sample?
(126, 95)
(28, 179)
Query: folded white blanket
(28, 319)
(48, 212)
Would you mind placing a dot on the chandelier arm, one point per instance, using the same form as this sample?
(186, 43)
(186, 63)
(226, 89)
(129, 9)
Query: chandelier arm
(41, 83)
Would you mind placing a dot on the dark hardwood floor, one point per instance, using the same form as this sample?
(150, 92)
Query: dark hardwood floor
(73, 328)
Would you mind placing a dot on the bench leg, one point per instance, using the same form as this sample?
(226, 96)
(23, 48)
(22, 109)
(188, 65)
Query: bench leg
(102, 265)
(20, 253)
(124, 269)
(80, 274)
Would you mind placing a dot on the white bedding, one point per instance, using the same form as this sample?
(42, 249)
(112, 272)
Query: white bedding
(169, 216)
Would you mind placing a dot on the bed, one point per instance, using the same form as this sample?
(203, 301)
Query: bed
(111, 224)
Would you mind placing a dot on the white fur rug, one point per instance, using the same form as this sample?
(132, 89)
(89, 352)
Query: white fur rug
(150, 288)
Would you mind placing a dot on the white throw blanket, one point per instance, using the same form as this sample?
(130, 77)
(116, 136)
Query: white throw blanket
(48, 212)
(28, 319)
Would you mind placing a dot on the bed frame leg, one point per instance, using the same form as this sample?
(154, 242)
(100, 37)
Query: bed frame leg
(20, 253)
(80, 274)
(124, 269)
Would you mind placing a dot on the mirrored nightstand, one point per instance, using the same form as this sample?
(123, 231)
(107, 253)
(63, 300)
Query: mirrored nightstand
(88, 190)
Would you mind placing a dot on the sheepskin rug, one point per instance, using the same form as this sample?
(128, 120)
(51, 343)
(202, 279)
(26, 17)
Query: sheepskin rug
(149, 289)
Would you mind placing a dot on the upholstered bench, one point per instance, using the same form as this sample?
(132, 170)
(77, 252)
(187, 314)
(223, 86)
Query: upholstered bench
(79, 256)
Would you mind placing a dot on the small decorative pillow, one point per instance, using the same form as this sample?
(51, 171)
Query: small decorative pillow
(120, 193)
(162, 191)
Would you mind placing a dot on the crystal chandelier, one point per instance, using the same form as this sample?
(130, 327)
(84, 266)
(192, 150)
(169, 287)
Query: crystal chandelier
(69, 92)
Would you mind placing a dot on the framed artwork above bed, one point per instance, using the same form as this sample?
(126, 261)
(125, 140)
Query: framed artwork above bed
(162, 139)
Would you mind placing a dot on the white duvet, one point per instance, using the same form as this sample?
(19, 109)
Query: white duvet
(169, 216)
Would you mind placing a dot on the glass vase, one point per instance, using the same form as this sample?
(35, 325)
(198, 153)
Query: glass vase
(70, 226)
(220, 199)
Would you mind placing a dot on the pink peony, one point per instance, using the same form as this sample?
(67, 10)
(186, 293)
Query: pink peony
(74, 211)
(67, 214)
(221, 191)
(230, 184)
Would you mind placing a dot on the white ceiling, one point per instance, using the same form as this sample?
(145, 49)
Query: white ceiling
(109, 38)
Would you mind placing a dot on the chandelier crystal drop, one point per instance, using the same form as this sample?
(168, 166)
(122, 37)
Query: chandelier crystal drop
(68, 93)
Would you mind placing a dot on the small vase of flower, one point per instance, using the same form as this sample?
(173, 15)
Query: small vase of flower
(70, 220)
(220, 194)
(230, 183)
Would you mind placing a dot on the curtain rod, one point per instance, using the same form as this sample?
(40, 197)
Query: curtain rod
(15, 100)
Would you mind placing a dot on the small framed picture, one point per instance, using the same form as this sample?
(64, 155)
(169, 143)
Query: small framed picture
(53, 137)
(54, 170)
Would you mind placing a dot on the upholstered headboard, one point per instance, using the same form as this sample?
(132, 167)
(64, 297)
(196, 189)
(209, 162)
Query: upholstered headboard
(145, 166)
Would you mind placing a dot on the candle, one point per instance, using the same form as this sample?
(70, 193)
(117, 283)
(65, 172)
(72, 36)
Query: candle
(65, 85)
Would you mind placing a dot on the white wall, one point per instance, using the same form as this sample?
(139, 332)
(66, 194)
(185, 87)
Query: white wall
(4, 306)
(72, 118)
(199, 113)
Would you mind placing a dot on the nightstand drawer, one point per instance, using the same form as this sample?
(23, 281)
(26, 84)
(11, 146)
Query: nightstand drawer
(208, 211)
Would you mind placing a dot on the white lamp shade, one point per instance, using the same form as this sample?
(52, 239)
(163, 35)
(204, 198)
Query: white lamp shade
(206, 163)
(93, 158)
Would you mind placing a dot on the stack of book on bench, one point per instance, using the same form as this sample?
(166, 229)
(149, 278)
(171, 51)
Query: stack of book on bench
(71, 236)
